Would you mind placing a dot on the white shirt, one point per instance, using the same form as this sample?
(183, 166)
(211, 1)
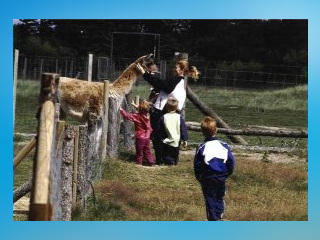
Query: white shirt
(178, 93)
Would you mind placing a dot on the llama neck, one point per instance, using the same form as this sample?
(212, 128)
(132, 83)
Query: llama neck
(123, 84)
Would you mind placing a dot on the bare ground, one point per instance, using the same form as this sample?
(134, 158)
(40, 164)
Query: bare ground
(21, 207)
(271, 157)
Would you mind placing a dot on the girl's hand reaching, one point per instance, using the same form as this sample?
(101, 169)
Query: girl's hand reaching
(133, 104)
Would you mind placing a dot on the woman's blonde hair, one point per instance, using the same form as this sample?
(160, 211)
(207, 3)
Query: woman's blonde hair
(191, 72)
(144, 107)
(209, 126)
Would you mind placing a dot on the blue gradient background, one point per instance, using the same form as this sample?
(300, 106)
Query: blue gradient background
(169, 9)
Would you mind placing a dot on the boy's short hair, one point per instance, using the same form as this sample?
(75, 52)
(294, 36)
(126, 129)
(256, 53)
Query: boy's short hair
(144, 107)
(172, 104)
(209, 126)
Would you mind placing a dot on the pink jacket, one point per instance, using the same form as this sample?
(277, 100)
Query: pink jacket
(141, 123)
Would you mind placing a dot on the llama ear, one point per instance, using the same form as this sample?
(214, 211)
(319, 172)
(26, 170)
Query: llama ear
(140, 59)
(149, 55)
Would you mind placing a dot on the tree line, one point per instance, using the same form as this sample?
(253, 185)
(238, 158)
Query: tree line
(259, 42)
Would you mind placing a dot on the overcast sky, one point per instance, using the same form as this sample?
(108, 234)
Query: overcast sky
(15, 21)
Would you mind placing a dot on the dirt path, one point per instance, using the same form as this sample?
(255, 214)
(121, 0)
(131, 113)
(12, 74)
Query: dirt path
(271, 157)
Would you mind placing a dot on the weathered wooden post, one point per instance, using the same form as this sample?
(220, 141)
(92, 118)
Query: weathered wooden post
(55, 170)
(24, 152)
(75, 165)
(15, 82)
(137, 100)
(90, 68)
(22, 190)
(67, 172)
(113, 132)
(128, 131)
(81, 168)
(104, 136)
(40, 208)
(208, 112)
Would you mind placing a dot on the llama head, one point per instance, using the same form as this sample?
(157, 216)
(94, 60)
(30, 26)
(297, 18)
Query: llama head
(144, 60)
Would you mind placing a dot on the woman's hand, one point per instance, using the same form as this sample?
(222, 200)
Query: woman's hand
(140, 68)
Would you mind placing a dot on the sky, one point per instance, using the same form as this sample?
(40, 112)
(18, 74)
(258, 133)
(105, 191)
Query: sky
(15, 21)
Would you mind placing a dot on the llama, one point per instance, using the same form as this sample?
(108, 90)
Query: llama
(83, 100)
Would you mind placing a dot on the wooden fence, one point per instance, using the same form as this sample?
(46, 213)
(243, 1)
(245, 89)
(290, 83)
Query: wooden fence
(67, 160)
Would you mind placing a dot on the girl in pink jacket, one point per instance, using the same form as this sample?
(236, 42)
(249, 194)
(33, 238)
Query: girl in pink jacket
(142, 131)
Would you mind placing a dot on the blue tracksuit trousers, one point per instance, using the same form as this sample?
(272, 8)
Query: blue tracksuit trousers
(214, 197)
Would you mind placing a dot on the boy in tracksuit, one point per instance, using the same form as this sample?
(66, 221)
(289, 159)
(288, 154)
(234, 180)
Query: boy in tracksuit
(213, 164)
(172, 129)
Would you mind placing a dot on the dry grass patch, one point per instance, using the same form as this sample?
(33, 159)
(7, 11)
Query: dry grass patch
(258, 191)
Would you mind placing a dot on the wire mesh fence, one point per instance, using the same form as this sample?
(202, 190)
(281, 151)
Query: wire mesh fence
(212, 74)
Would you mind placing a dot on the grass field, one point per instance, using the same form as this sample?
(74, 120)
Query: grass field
(264, 187)
(238, 108)
(258, 191)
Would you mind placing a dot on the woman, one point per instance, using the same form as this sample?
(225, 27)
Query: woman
(171, 87)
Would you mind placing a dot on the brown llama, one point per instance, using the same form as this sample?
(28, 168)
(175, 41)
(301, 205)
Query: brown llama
(83, 100)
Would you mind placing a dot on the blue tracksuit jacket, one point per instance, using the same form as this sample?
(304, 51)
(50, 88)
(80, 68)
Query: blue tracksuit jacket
(213, 160)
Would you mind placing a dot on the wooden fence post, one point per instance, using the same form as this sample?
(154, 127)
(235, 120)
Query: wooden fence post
(75, 165)
(82, 157)
(208, 112)
(15, 82)
(137, 100)
(67, 173)
(104, 136)
(40, 209)
(55, 171)
(90, 68)
(127, 127)
(113, 132)
(289, 133)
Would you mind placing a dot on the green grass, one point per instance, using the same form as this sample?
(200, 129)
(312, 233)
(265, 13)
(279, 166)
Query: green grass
(23, 171)
(293, 98)
(26, 106)
(21, 174)
(285, 108)
(238, 108)
(257, 191)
